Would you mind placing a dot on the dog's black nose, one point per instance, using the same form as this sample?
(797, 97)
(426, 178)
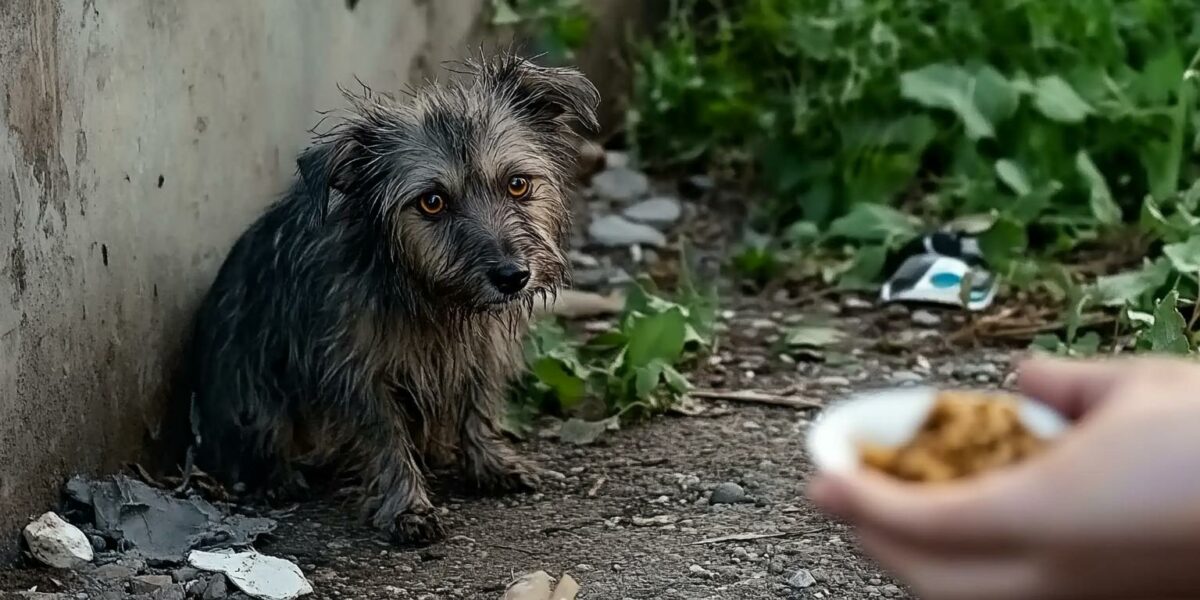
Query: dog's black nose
(509, 278)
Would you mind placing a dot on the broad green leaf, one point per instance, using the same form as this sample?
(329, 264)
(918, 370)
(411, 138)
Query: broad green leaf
(656, 337)
(1104, 208)
(868, 222)
(912, 132)
(568, 387)
(949, 87)
(1087, 344)
(1058, 101)
(995, 96)
(813, 336)
(1128, 287)
(1011, 173)
(1161, 77)
(802, 233)
(1004, 241)
(1185, 256)
(647, 379)
(1048, 342)
(582, 433)
(1167, 334)
(675, 380)
(866, 269)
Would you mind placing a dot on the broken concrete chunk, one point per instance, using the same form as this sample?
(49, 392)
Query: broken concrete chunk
(149, 584)
(57, 543)
(154, 525)
(216, 589)
(532, 586)
(566, 589)
(258, 575)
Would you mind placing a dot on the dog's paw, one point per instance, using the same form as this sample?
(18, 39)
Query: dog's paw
(417, 528)
(510, 478)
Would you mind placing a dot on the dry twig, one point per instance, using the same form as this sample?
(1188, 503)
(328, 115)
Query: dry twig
(756, 397)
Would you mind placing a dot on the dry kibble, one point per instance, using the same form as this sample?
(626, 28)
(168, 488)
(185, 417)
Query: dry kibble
(965, 433)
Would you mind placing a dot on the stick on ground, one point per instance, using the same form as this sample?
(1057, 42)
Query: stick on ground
(756, 397)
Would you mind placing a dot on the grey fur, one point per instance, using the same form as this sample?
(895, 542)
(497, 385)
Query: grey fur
(346, 328)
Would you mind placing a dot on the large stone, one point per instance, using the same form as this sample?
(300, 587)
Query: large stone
(57, 543)
(149, 584)
(617, 231)
(621, 185)
(661, 212)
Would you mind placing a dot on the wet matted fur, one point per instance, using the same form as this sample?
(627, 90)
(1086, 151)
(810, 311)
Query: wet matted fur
(354, 325)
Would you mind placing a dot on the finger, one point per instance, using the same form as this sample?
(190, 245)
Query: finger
(956, 575)
(1071, 387)
(1077, 387)
(991, 511)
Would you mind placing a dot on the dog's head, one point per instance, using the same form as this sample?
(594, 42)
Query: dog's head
(464, 186)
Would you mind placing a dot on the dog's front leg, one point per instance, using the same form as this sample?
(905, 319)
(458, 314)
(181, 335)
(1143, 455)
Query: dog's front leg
(397, 500)
(491, 463)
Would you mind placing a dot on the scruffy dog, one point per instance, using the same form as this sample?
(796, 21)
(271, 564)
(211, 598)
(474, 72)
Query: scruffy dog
(372, 319)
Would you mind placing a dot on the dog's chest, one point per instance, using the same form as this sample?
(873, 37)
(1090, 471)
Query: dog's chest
(445, 368)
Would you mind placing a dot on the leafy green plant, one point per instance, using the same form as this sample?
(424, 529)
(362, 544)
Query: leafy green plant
(558, 28)
(1060, 116)
(633, 369)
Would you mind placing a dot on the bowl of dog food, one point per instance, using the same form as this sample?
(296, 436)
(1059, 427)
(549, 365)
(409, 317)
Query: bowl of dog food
(931, 435)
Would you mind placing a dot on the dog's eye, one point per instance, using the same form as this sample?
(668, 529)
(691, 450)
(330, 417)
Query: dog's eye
(518, 186)
(432, 204)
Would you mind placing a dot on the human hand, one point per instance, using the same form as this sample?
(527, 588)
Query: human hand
(1111, 510)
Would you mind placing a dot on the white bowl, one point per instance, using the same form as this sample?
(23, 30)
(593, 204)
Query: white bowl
(891, 418)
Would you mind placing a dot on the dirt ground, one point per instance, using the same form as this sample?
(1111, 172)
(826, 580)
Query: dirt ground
(628, 516)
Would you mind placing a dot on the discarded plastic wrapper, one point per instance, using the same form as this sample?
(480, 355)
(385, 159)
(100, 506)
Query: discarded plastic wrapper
(933, 270)
(891, 418)
(258, 575)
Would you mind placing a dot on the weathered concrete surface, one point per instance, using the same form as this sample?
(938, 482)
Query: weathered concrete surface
(137, 139)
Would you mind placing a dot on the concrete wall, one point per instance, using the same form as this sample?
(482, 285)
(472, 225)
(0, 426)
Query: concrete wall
(137, 139)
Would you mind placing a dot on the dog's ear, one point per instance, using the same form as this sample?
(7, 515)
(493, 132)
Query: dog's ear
(326, 176)
(550, 93)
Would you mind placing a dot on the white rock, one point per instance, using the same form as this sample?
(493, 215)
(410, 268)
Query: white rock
(617, 231)
(57, 543)
(621, 184)
(532, 586)
(801, 579)
(925, 318)
(661, 212)
(258, 575)
(567, 589)
(614, 159)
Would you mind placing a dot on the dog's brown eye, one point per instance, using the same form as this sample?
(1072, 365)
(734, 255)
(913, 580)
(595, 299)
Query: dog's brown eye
(432, 204)
(518, 186)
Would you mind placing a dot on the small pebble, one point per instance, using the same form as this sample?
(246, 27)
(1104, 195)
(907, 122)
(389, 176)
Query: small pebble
(801, 579)
(925, 318)
(727, 493)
